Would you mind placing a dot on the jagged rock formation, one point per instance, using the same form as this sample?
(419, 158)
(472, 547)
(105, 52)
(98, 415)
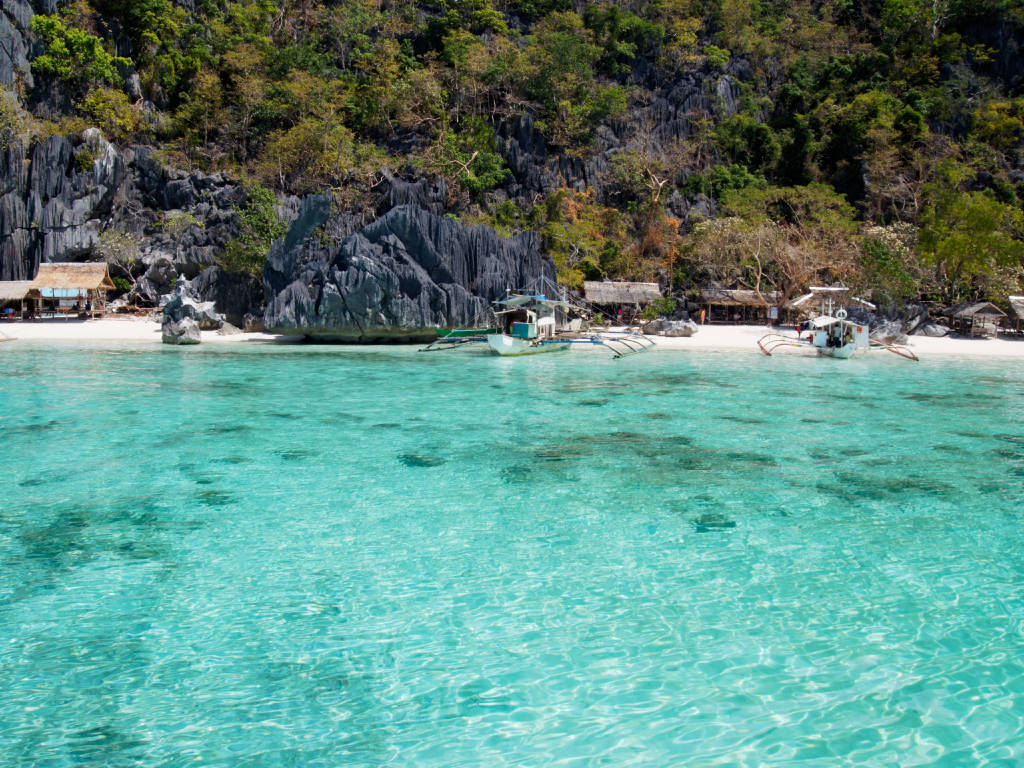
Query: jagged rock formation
(58, 199)
(180, 332)
(234, 295)
(15, 45)
(398, 279)
(184, 316)
(51, 209)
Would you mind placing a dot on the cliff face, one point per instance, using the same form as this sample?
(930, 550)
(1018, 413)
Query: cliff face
(59, 198)
(397, 279)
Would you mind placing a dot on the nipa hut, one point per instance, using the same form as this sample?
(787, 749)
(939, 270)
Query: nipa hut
(724, 305)
(622, 300)
(979, 318)
(14, 294)
(73, 288)
(1015, 322)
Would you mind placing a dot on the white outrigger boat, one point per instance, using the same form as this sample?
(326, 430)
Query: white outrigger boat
(831, 335)
(527, 324)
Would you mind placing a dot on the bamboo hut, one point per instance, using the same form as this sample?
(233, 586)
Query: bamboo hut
(14, 294)
(73, 288)
(1017, 316)
(980, 318)
(623, 300)
(724, 305)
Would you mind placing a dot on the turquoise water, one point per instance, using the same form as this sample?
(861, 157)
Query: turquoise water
(266, 556)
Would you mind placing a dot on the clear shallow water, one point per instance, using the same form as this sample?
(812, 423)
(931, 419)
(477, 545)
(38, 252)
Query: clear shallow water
(325, 557)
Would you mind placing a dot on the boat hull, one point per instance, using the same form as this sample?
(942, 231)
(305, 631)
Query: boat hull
(842, 353)
(511, 346)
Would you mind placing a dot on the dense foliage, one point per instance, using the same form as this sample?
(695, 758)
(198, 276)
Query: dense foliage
(879, 142)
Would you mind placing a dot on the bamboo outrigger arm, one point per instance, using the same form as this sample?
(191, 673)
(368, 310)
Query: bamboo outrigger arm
(896, 349)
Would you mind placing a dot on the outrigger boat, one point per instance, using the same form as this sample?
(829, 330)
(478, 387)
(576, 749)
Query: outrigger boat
(527, 324)
(831, 335)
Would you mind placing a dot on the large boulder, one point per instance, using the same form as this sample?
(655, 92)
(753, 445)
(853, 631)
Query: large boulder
(181, 332)
(399, 278)
(935, 330)
(672, 328)
(184, 316)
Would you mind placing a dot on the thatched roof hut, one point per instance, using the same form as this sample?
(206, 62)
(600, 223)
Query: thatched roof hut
(73, 287)
(742, 305)
(91, 276)
(14, 290)
(726, 297)
(1015, 322)
(13, 296)
(606, 292)
(975, 318)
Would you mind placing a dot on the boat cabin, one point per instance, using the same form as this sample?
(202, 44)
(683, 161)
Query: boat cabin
(827, 332)
(528, 317)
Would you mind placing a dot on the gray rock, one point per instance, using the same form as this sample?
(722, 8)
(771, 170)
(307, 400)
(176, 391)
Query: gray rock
(671, 328)
(935, 330)
(182, 304)
(889, 331)
(253, 323)
(399, 278)
(227, 329)
(234, 294)
(15, 21)
(182, 332)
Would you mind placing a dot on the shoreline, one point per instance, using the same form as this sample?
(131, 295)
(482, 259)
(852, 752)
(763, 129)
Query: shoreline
(724, 337)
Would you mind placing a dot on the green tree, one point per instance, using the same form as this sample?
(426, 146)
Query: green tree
(561, 77)
(469, 156)
(73, 56)
(971, 239)
(112, 112)
(258, 226)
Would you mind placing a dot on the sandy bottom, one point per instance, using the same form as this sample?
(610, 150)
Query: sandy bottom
(709, 337)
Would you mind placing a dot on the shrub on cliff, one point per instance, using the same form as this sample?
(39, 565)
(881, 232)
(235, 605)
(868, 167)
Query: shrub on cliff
(73, 56)
(258, 226)
(112, 112)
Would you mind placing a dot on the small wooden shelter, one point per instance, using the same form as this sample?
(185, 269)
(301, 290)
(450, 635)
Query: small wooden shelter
(1016, 317)
(73, 288)
(617, 297)
(14, 294)
(736, 305)
(980, 318)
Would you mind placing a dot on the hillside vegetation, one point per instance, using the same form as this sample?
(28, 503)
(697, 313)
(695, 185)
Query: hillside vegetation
(758, 144)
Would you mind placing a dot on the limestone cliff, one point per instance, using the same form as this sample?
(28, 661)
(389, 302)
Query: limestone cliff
(397, 279)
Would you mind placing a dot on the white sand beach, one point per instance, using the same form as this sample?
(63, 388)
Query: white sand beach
(110, 329)
(746, 336)
(738, 337)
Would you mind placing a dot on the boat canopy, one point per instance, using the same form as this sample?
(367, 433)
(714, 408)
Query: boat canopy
(824, 321)
(520, 299)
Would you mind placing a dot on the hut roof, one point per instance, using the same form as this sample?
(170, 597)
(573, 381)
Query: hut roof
(739, 297)
(91, 276)
(14, 290)
(1017, 306)
(976, 309)
(620, 293)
